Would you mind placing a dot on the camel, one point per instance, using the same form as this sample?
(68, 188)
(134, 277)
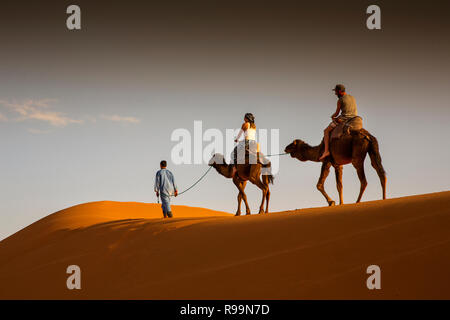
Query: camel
(351, 147)
(244, 173)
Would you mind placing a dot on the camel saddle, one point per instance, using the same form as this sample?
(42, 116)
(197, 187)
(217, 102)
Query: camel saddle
(353, 124)
(251, 156)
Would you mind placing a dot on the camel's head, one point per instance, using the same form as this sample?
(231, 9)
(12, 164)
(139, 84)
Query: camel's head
(294, 149)
(217, 158)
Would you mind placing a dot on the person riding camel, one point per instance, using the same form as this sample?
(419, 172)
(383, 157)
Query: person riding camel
(248, 146)
(346, 105)
(248, 128)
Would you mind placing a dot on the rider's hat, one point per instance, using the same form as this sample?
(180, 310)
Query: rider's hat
(339, 87)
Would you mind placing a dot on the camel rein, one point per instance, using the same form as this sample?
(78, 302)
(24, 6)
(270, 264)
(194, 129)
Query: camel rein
(195, 183)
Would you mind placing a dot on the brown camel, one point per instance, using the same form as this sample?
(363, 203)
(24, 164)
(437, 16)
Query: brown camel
(349, 148)
(244, 173)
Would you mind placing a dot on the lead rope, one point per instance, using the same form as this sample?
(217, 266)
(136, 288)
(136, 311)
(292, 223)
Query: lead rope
(277, 154)
(200, 179)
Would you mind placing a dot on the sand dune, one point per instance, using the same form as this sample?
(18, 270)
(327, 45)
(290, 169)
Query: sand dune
(125, 251)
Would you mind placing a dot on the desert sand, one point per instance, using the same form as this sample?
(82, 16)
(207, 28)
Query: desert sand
(127, 251)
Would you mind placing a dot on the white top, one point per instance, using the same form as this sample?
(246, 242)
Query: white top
(250, 134)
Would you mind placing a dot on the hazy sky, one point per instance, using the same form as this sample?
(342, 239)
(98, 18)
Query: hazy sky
(87, 115)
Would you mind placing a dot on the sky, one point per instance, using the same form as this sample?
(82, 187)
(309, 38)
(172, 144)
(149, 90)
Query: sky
(86, 115)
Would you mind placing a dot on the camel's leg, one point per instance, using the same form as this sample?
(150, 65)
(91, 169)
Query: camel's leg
(362, 178)
(255, 178)
(380, 171)
(238, 211)
(267, 199)
(241, 186)
(338, 172)
(264, 188)
(323, 176)
(244, 196)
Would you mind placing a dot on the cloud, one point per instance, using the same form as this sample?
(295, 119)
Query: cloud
(90, 118)
(116, 118)
(56, 119)
(42, 110)
(38, 110)
(38, 131)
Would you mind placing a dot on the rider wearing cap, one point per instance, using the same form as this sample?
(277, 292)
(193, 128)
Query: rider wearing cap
(346, 105)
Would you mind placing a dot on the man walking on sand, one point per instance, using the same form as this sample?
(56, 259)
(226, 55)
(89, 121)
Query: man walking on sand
(165, 187)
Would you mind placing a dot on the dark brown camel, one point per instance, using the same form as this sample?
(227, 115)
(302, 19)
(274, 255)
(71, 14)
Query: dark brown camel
(244, 173)
(350, 148)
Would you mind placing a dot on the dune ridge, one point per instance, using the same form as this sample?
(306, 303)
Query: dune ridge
(126, 251)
